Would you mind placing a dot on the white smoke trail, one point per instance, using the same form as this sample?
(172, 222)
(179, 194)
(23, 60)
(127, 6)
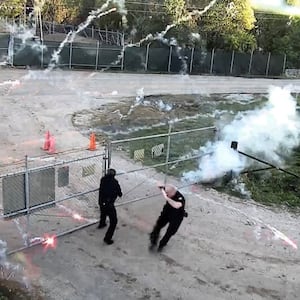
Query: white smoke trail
(160, 36)
(276, 6)
(21, 37)
(269, 133)
(3, 249)
(95, 14)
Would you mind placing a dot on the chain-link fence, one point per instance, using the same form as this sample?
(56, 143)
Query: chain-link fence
(49, 196)
(150, 58)
(156, 157)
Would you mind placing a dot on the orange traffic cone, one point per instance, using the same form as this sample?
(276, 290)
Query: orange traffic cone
(47, 141)
(51, 149)
(92, 145)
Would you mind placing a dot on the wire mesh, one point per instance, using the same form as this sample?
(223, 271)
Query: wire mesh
(149, 159)
(49, 195)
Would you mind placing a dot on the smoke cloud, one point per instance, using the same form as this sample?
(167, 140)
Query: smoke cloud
(276, 6)
(270, 133)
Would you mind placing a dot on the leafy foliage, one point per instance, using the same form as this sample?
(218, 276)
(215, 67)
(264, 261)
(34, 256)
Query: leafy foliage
(228, 25)
(12, 8)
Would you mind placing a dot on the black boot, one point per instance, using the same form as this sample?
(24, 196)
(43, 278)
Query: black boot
(108, 242)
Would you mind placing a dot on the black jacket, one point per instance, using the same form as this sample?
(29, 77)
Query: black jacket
(109, 190)
(175, 212)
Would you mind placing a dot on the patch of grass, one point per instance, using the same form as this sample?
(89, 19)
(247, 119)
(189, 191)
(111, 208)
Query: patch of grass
(13, 290)
(195, 111)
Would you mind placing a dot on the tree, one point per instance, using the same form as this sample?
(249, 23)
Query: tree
(181, 21)
(12, 8)
(176, 9)
(61, 11)
(229, 24)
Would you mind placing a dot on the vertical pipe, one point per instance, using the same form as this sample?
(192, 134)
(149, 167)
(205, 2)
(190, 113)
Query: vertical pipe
(168, 152)
(232, 61)
(123, 51)
(70, 56)
(97, 56)
(147, 57)
(123, 58)
(41, 25)
(170, 60)
(42, 55)
(93, 32)
(268, 64)
(10, 50)
(27, 200)
(104, 162)
(212, 60)
(250, 62)
(284, 64)
(24, 13)
(106, 157)
(192, 60)
(109, 154)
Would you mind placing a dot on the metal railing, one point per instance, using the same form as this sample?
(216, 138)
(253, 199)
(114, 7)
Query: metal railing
(49, 195)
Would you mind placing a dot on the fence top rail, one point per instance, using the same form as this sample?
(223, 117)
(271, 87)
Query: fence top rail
(161, 135)
(60, 162)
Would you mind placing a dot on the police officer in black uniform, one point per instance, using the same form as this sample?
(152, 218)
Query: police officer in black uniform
(108, 192)
(173, 213)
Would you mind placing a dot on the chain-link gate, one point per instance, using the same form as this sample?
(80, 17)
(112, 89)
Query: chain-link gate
(49, 196)
(148, 159)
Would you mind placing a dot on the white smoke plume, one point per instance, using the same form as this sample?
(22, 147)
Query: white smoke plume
(269, 133)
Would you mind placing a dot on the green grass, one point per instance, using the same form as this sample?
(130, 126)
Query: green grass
(268, 187)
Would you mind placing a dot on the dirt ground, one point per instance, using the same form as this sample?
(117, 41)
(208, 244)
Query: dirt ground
(225, 249)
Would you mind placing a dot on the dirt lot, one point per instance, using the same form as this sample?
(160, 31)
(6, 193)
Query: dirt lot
(225, 249)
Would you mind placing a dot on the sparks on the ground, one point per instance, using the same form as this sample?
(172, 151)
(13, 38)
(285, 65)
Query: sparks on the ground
(77, 216)
(283, 237)
(50, 241)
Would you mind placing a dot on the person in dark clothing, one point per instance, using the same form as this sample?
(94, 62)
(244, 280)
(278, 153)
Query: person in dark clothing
(173, 213)
(108, 192)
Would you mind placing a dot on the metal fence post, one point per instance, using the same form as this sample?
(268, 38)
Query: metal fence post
(106, 157)
(284, 65)
(232, 61)
(168, 152)
(27, 200)
(10, 50)
(123, 52)
(268, 64)
(97, 56)
(212, 60)
(170, 60)
(147, 57)
(250, 62)
(42, 55)
(70, 56)
(123, 58)
(192, 60)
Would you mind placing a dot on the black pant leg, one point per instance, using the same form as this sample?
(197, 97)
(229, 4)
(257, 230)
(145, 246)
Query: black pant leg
(160, 223)
(113, 220)
(171, 230)
(103, 215)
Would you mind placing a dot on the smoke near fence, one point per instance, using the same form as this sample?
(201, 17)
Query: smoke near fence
(269, 132)
(276, 6)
